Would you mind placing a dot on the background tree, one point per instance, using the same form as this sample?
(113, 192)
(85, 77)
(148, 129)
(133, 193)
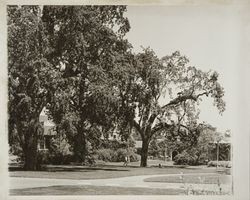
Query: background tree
(184, 85)
(194, 145)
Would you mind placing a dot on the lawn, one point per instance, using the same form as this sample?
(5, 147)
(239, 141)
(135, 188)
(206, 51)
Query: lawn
(204, 179)
(105, 171)
(94, 190)
(112, 170)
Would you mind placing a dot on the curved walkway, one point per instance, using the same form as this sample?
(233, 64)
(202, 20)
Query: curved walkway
(131, 181)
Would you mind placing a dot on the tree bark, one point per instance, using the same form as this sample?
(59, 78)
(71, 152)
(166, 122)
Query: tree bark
(80, 143)
(30, 150)
(80, 148)
(144, 152)
(30, 159)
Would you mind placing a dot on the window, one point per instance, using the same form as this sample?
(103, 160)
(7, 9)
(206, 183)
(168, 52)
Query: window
(44, 143)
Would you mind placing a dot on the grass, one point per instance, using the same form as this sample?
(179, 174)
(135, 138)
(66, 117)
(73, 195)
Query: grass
(104, 171)
(205, 179)
(108, 170)
(94, 190)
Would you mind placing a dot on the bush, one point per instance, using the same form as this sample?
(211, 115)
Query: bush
(203, 159)
(59, 151)
(46, 157)
(60, 159)
(227, 164)
(134, 157)
(185, 158)
(121, 153)
(113, 144)
(43, 157)
(109, 155)
(105, 154)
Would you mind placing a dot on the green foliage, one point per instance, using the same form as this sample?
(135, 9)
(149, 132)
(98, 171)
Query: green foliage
(31, 78)
(203, 149)
(156, 148)
(227, 164)
(113, 144)
(88, 42)
(58, 153)
(106, 155)
(85, 40)
(75, 61)
(54, 158)
(109, 155)
(60, 150)
(185, 158)
(120, 155)
(43, 158)
(181, 85)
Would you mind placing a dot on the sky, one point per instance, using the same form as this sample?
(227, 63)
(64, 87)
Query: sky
(208, 36)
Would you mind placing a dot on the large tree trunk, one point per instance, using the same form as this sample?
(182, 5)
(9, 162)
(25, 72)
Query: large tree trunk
(144, 152)
(30, 159)
(80, 146)
(30, 150)
(80, 143)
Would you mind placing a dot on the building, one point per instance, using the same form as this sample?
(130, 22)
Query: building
(48, 131)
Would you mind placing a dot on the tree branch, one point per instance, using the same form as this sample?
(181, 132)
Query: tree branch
(160, 127)
(138, 128)
(184, 98)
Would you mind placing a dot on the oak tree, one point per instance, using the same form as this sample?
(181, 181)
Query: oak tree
(87, 41)
(169, 91)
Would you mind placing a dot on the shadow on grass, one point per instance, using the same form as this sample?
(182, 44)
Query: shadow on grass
(71, 169)
(94, 190)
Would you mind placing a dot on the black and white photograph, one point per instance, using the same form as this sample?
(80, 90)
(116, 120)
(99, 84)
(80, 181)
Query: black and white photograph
(126, 99)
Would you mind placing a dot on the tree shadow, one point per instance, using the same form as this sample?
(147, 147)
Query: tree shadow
(70, 169)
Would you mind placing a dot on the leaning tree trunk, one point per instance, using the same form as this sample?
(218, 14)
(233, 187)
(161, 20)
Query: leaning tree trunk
(144, 152)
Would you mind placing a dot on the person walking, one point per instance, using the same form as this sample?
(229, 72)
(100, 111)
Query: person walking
(125, 161)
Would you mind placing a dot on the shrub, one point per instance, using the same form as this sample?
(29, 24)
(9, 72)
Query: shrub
(113, 144)
(220, 164)
(134, 157)
(105, 154)
(185, 158)
(110, 155)
(121, 153)
(46, 157)
(60, 159)
(42, 158)
(203, 159)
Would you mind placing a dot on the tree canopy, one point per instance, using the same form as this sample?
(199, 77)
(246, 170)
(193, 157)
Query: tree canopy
(84, 40)
(86, 48)
(184, 87)
(75, 61)
(31, 77)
